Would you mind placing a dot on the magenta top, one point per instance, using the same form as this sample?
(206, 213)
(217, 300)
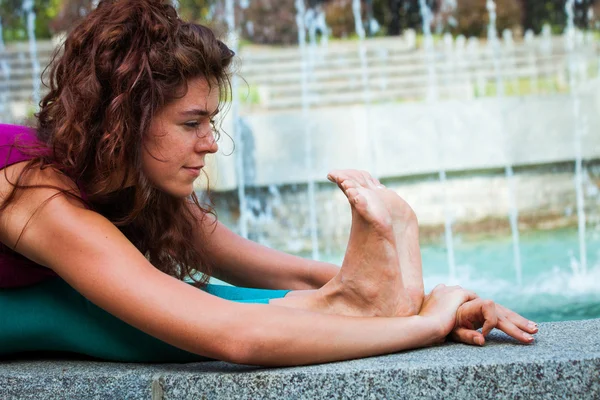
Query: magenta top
(15, 269)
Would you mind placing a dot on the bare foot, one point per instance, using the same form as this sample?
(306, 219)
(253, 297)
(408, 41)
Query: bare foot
(406, 233)
(370, 280)
(383, 237)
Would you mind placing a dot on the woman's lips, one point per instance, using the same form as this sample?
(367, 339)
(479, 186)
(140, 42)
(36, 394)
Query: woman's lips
(194, 170)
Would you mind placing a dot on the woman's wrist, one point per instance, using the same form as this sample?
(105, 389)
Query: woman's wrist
(433, 328)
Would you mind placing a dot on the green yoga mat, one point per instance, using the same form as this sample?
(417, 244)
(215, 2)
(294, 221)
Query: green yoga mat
(52, 316)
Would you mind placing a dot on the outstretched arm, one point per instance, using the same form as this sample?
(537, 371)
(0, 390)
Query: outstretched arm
(243, 262)
(94, 257)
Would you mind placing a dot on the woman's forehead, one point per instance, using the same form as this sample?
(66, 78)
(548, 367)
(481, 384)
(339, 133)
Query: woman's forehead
(200, 96)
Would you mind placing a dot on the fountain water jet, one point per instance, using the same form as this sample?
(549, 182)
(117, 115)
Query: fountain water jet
(235, 116)
(300, 21)
(579, 131)
(5, 73)
(432, 98)
(494, 45)
(35, 64)
(364, 70)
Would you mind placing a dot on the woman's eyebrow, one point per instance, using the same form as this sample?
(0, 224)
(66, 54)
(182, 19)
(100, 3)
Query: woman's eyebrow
(195, 111)
(199, 111)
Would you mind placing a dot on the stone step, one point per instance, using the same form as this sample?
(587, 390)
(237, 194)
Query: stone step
(393, 46)
(417, 58)
(341, 72)
(562, 363)
(394, 89)
(293, 88)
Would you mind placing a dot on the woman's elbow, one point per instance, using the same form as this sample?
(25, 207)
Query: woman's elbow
(241, 348)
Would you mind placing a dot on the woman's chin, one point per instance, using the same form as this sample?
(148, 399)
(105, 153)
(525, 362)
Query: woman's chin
(180, 192)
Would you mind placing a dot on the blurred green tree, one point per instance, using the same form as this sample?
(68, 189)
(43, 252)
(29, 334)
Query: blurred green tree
(538, 13)
(14, 18)
(200, 11)
(472, 17)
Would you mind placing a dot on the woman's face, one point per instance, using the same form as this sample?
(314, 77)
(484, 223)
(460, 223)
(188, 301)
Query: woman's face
(179, 137)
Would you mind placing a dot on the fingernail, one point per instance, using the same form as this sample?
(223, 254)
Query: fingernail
(527, 336)
(532, 325)
(479, 341)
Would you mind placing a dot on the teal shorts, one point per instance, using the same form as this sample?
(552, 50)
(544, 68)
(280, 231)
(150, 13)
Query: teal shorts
(54, 317)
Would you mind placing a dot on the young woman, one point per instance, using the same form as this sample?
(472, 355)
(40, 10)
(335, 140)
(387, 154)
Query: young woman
(100, 225)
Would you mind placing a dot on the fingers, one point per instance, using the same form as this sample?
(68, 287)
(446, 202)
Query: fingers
(506, 326)
(468, 336)
(522, 323)
(488, 310)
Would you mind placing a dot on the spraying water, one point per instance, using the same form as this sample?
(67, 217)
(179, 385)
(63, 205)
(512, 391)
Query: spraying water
(364, 72)
(235, 115)
(531, 56)
(580, 128)
(35, 64)
(432, 97)
(300, 21)
(494, 46)
(5, 73)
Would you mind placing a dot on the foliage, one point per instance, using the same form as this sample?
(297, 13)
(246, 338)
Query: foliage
(339, 17)
(472, 17)
(274, 21)
(270, 22)
(536, 14)
(398, 15)
(14, 19)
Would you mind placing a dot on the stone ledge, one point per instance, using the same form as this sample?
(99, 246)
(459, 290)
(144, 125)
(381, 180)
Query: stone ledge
(563, 363)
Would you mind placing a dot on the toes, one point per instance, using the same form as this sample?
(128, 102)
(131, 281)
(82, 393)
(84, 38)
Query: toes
(352, 193)
(355, 198)
(368, 180)
(334, 175)
(348, 184)
(362, 178)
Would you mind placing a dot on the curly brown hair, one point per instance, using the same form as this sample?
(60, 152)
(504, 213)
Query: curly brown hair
(122, 63)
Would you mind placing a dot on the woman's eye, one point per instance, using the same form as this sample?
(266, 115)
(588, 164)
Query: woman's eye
(193, 124)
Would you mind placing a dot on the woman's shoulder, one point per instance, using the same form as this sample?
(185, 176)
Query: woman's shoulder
(44, 181)
(48, 188)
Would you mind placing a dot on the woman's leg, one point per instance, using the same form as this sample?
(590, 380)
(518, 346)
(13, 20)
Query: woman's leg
(381, 273)
(52, 316)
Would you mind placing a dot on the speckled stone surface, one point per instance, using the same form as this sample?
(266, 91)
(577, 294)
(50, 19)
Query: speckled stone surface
(563, 363)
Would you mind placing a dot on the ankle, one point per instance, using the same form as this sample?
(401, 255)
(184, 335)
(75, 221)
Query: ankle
(345, 297)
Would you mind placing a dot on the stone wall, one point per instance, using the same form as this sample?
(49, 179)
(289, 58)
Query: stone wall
(476, 203)
(563, 363)
(404, 139)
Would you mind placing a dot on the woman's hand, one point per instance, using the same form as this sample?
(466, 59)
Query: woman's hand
(441, 306)
(485, 314)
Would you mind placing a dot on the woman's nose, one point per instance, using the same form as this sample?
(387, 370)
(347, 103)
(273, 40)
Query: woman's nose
(207, 143)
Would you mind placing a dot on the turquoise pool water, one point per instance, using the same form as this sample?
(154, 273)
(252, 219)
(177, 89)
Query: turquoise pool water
(554, 288)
